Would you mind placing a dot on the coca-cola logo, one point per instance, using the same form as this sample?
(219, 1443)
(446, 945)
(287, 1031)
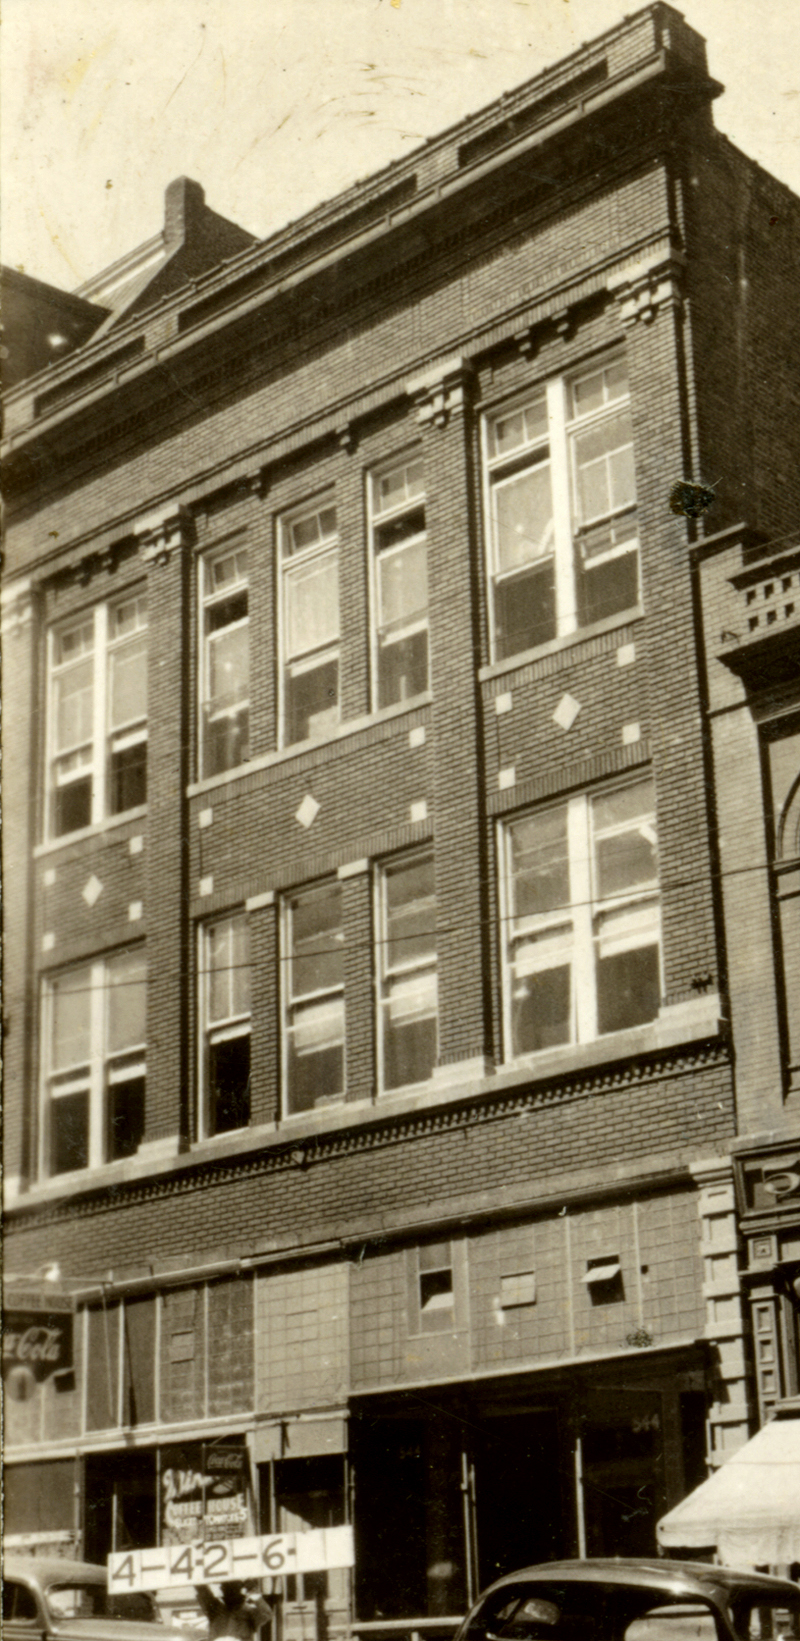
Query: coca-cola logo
(42, 1344)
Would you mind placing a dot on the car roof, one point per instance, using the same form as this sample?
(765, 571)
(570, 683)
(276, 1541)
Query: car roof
(47, 1570)
(685, 1578)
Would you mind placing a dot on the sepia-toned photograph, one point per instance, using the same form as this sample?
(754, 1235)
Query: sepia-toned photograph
(401, 820)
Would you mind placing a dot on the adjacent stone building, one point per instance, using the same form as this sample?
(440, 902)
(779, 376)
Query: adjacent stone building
(378, 883)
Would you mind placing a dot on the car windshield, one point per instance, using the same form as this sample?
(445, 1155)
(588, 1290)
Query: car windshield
(91, 1600)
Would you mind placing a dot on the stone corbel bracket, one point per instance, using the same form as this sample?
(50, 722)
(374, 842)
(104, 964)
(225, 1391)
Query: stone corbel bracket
(644, 287)
(439, 391)
(160, 533)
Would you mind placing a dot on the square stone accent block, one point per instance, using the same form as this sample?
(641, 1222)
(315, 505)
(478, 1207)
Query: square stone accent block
(630, 734)
(566, 712)
(503, 703)
(136, 844)
(135, 911)
(506, 778)
(49, 877)
(92, 890)
(48, 941)
(416, 736)
(419, 811)
(308, 811)
(205, 818)
(206, 886)
(626, 655)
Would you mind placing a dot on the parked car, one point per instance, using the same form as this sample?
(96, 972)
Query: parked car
(634, 1600)
(47, 1598)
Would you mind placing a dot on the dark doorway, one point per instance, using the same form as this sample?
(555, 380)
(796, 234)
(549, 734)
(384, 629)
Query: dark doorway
(517, 1489)
(389, 1469)
(120, 1507)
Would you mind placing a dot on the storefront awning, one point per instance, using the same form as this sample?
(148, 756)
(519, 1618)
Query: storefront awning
(749, 1510)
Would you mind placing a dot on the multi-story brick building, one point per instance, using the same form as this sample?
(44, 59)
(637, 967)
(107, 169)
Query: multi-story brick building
(367, 1068)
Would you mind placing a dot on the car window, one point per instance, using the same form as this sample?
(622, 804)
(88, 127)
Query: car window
(756, 1618)
(674, 1623)
(77, 1600)
(18, 1600)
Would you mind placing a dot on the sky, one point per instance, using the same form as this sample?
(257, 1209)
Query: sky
(275, 105)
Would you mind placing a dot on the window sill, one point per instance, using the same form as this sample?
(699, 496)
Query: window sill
(98, 830)
(696, 1020)
(285, 754)
(512, 663)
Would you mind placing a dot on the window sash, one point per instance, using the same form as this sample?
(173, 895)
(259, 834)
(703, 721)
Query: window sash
(108, 1057)
(577, 931)
(97, 705)
(407, 964)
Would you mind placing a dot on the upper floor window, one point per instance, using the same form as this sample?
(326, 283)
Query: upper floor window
(436, 1290)
(225, 662)
(561, 500)
(400, 581)
(408, 980)
(782, 746)
(581, 918)
(97, 722)
(225, 1014)
(313, 973)
(309, 628)
(94, 1062)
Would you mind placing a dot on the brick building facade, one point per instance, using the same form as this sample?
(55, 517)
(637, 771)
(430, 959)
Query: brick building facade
(368, 1065)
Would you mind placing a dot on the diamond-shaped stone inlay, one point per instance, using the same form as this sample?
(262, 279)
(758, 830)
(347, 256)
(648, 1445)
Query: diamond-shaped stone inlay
(566, 712)
(92, 890)
(308, 811)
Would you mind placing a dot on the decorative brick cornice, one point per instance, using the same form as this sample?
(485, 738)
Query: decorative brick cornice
(438, 392)
(159, 534)
(653, 283)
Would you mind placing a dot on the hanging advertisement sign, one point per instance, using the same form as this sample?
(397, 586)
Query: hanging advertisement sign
(37, 1341)
(203, 1493)
(215, 1561)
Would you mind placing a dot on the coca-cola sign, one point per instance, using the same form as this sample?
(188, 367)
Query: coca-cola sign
(38, 1339)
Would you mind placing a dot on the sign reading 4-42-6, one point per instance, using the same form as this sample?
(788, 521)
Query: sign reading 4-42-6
(214, 1561)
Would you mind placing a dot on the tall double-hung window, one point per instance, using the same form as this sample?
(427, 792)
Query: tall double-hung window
(97, 718)
(225, 1015)
(581, 919)
(225, 662)
(309, 627)
(561, 506)
(400, 581)
(93, 1018)
(313, 991)
(408, 1024)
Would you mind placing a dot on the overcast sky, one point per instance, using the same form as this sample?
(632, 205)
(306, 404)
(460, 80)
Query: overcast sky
(274, 105)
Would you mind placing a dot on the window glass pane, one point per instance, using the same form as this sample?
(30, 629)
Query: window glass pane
(435, 1256)
(228, 666)
(626, 858)
(524, 517)
(541, 1009)
(126, 978)
(71, 1003)
(69, 1132)
(528, 425)
(628, 989)
(228, 956)
(410, 1034)
(591, 392)
(227, 571)
(525, 609)
(312, 604)
(311, 529)
(73, 705)
(128, 778)
(604, 466)
(316, 1055)
(410, 913)
(400, 484)
(128, 617)
(403, 585)
(609, 584)
(74, 642)
(229, 1084)
(317, 941)
(403, 668)
(72, 807)
(540, 863)
(125, 1116)
(127, 669)
(312, 701)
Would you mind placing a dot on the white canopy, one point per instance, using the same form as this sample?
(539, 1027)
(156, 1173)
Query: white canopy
(750, 1508)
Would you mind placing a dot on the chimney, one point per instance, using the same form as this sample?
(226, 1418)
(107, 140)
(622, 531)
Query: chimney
(184, 204)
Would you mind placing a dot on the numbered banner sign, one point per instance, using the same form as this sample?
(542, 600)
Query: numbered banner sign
(214, 1561)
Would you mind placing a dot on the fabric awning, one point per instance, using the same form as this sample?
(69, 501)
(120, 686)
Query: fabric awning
(749, 1510)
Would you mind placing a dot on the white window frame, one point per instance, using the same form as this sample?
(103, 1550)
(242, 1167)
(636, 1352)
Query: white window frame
(294, 665)
(636, 911)
(377, 517)
(207, 600)
(321, 999)
(93, 1076)
(558, 446)
(104, 738)
(217, 1029)
(391, 976)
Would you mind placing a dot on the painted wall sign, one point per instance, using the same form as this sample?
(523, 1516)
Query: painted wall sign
(37, 1341)
(216, 1560)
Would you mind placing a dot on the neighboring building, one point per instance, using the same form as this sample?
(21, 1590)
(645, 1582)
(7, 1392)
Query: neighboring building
(367, 1067)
